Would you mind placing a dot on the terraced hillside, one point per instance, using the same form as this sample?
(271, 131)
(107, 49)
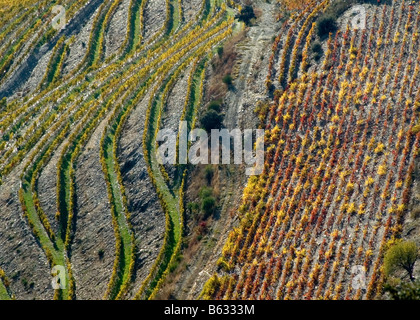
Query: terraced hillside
(81, 186)
(72, 98)
(342, 139)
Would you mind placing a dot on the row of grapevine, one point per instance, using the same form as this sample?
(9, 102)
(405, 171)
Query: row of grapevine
(337, 176)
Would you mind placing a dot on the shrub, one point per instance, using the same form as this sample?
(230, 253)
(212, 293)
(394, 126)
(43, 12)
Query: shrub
(261, 110)
(404, 291)
(193, 207)
(228, 80)
(246, 15)
(316, 47)
(337, 8)
(3, 103)
(403, 255)
(220, 51)
(208, 202)
(211, 120)
(210, 287)
(215, 105)
(208, 205)
(206, 192)
(222, 264)
(209, 172)
(325, 25)
(202, 228)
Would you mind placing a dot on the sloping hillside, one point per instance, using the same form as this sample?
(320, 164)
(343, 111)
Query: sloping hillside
(334, 84)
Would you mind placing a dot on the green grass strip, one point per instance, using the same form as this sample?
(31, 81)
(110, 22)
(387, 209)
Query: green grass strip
(117, 199)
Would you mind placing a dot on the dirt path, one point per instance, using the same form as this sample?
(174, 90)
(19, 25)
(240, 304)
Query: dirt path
(250, 79)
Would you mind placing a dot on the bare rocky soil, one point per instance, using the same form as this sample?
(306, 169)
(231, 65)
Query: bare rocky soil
(94, 239)
(154, 18)
(117, 29)
(148, 218)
